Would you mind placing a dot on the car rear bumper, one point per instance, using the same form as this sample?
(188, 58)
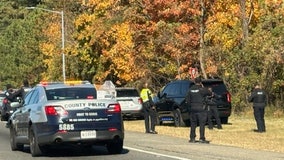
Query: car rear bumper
(74, 137)
(165, 116)
(132, 113)
(48, 134)
(224, 112)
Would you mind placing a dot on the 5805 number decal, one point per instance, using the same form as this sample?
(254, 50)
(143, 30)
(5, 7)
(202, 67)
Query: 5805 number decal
(66, 126)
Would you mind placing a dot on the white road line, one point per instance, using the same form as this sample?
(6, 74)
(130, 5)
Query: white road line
(154, 153)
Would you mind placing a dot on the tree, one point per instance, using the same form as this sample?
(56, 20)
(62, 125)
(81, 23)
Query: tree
(22, 59)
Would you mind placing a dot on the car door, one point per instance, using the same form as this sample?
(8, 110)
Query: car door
(22, 115)
(18, 117)
(26, 112)
(167, 99)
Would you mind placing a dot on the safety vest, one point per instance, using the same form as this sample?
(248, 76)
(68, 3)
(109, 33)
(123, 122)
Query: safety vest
(144, 94)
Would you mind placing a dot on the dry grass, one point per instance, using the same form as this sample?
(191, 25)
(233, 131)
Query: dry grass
(237, 133)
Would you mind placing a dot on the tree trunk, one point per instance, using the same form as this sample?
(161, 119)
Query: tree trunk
(201, 41)
(245, 20)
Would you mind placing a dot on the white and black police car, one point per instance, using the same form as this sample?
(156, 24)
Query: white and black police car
(58, 114)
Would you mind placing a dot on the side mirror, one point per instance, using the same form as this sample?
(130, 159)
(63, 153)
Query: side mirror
(15, 104)
(164, 95)
(159, 95)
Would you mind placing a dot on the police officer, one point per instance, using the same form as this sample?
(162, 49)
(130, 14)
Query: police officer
(11, 94)
(213, 110)
(149, 110)
(198, 112)
(258, 98)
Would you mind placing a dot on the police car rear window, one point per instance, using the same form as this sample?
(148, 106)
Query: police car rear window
(71, 93)
(127, 93)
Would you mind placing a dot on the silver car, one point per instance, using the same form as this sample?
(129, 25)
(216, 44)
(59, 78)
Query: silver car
(130, 102)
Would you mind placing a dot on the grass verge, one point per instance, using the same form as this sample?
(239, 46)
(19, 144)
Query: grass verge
(238, 132)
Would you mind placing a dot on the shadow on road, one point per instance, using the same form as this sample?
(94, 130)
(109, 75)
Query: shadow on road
(75, 151)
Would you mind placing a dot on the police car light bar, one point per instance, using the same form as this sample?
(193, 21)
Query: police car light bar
(45, 83)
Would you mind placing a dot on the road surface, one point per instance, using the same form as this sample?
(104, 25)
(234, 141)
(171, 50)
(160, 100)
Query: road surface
(142, 146)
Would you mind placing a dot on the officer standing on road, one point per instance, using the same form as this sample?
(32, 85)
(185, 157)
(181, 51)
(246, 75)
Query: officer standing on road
(258, 98)
(213, 110)
(149, 110)
(198, 113)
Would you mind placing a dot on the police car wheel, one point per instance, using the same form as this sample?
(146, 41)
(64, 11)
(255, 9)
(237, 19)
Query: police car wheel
(34, 147)
(13, 143)
(115, 147)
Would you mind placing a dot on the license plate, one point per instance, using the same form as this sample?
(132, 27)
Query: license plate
(88, 134)
(124, 103)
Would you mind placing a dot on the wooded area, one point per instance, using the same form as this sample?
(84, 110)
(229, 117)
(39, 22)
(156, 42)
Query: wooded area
(131, 41)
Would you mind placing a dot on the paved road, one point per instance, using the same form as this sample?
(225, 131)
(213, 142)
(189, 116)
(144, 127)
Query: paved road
(142, 146)
(181, 149)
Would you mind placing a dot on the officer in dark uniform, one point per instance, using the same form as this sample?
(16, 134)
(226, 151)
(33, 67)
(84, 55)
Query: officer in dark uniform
(198, 113)
(259, 100)
(213, 110)
(11, 94)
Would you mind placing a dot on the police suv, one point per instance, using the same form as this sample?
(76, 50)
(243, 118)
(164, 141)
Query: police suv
(57, 114)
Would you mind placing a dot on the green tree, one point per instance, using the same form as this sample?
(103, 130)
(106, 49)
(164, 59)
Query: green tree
(18, 47)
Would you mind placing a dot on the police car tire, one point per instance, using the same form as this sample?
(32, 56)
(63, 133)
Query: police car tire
(115, 147)
(13, 143)
(34, 146)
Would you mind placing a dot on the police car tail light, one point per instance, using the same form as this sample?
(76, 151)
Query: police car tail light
(114, 108)
(90, 97)
(228, 97)
(112, 129)
(55, 110)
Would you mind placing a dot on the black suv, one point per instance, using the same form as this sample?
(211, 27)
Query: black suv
(171, 106)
